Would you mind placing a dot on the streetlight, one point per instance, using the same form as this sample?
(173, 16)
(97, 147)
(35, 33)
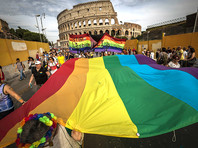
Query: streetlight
(38, 26)
(43, 29)
(148, 38)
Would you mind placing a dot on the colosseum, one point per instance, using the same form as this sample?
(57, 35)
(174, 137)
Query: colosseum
(95, 18)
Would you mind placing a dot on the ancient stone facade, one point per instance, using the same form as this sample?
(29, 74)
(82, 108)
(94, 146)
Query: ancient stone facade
(95, 18)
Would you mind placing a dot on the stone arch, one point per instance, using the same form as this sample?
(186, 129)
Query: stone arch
(113, 32)
(79, 23)
(118, 32)
(89, 22)
(112, 21)
(80, 33)
(100, 22)
(85, 32)
(106, 21)
(95, 32)
(84, 24)
(76, 33)
(126, 32)
(90, 33)
(107, 31)
(95, 22)
(75, 25)
(131, 33)
(101, 32)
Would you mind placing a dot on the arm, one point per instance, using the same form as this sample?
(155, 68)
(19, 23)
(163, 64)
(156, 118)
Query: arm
(76, 135)
(193, 55)
(48, 73)
(10, 91)
(31, 79)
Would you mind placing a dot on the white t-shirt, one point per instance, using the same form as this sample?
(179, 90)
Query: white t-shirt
(173, 65)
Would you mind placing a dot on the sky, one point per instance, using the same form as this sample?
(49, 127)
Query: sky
(143, 12)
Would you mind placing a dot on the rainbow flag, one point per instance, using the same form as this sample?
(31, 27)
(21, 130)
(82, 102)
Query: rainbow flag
(109, 43)
(79, 43)
(124, 96)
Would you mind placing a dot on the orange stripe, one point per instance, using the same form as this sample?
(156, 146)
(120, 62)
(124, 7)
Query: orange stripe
(62, 103)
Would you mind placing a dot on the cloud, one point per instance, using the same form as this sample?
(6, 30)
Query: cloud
(144, 12)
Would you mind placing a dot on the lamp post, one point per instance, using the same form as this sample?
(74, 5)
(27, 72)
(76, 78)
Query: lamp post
(38, 26)
(148, 38)
(43, 29)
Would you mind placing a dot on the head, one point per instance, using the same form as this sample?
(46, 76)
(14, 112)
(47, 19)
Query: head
(51, 59)
(60, 54)
(37, 130)
(175, 57)
(17, 60)
(163, 49)
(38, 64)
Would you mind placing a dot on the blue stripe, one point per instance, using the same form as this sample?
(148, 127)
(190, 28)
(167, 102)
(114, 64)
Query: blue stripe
(177, 83)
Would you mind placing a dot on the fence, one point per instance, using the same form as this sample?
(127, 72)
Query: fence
(12, 49)
(172, 41)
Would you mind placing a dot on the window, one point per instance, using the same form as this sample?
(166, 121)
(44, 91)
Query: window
(100, 8)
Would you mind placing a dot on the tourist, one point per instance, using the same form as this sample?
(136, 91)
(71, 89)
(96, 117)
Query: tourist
(21, 67)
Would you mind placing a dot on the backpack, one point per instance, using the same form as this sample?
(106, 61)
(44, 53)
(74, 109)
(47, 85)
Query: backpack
(23, 65)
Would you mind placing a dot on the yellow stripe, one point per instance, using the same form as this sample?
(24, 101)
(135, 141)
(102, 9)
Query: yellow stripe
(100, 109)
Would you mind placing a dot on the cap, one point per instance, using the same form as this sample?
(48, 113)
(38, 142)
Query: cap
(37, 62)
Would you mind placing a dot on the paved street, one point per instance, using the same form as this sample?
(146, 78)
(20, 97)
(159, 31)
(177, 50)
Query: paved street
(185, 138)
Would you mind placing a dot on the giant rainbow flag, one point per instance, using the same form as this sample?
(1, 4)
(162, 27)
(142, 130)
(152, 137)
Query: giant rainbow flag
(109, 43)
(79, 43)
(124, 96)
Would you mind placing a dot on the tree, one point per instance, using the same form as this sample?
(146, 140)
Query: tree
(27, 35)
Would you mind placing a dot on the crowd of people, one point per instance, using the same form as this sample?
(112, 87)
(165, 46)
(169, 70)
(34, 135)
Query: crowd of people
(174, 58)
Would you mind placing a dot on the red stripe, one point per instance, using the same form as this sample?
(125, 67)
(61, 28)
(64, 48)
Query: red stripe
(55, 82)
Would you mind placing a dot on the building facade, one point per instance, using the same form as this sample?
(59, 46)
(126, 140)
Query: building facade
(95, 18)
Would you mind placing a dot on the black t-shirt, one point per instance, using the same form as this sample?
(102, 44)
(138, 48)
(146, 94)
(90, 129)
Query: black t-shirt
(40, 76)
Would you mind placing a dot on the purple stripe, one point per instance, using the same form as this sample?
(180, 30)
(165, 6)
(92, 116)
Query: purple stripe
(146, 60)
(114, 50)
(99, 50)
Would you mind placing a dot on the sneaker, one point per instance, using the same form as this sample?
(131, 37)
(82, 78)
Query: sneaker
(20, 79)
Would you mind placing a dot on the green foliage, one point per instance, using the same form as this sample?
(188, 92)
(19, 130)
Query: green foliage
(27, 35)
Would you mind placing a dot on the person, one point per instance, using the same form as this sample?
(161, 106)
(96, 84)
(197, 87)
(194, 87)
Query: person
(42, 130)
(61, 59)
(152, 54)
(31, 63)
(21, 67)
(40, 74)
(52, 65)
(147, 53)
(2, 76)
(174, 63)
(6, 103)
(37, 56)
(191, 57)
(163, 57)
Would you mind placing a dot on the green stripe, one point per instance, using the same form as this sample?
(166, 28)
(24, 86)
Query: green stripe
(107, 42)
(86, 43)
(153, 111)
